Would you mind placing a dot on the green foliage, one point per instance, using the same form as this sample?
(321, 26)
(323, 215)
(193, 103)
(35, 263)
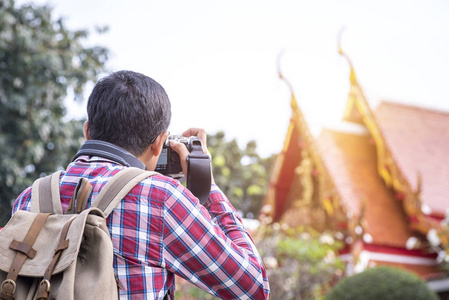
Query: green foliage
(301, 263)
(382, 283)
(240, 173)
(40, 60)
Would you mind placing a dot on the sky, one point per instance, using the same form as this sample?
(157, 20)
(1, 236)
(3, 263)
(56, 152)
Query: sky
(218, 60)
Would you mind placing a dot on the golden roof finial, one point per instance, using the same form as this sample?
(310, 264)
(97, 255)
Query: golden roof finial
(293, 102)
(352, 77)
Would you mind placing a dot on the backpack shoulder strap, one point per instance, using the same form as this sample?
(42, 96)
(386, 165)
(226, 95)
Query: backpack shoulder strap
(80, 196)
(45, 197)
(117, 188)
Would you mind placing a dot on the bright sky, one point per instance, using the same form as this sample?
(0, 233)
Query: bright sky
(218, 59)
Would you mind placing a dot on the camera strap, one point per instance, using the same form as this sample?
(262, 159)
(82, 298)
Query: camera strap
(199, 174)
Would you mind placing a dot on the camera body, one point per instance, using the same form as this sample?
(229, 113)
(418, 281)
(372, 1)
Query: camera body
(199, 173)
(169, 162)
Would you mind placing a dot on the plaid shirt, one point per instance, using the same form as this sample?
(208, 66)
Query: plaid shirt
(159, 229)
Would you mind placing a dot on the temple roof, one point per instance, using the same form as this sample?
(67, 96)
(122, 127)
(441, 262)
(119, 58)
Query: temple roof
(351, 161)
(418, 140)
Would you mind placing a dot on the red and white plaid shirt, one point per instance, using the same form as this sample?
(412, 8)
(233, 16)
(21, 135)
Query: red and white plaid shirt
(159, 229)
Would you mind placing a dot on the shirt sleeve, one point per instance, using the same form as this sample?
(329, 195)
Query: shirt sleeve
(23, 202)
(210, 247)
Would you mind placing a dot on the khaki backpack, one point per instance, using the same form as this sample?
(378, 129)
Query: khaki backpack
(45, 254)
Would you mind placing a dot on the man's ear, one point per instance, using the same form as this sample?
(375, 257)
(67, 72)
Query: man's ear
(156, 148)
(86, 130)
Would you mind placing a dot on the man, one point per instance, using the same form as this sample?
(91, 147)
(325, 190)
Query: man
(159, 229)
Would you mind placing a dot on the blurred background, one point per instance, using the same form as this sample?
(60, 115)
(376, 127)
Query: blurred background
(219, 63)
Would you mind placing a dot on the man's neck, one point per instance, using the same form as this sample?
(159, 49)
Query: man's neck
(110, 151)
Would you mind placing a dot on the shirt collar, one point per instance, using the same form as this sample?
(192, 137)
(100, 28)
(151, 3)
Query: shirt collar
(109, 151)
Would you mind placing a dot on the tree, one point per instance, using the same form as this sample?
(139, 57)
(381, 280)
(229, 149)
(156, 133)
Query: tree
(382, 283)
(40, 61)
(240, 173)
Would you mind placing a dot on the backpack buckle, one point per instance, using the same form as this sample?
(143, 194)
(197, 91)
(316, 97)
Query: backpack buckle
(10, 281)
(45, 281)
(43, 292)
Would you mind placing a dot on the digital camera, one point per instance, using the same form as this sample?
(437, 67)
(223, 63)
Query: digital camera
(169, 162)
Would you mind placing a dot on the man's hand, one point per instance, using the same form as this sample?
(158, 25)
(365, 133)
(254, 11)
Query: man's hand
(198, 132)
(181, 149)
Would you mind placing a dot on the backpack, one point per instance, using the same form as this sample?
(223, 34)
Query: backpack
(45, 254)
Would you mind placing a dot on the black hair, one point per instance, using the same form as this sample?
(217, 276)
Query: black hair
(128, 109)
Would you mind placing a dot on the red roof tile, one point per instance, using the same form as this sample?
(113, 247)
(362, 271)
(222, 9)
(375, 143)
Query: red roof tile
(418, 139)
(351, 161)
